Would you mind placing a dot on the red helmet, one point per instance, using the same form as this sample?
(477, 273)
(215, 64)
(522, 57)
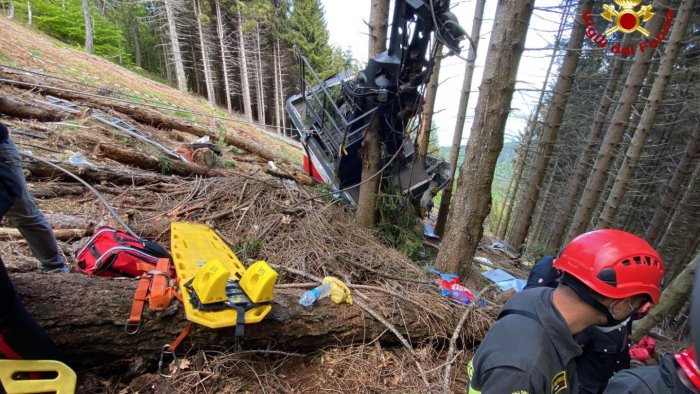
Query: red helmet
(686, 360)
(613, 263)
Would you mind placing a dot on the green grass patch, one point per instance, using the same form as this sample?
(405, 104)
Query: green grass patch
(249, 248)
(4, 59)
(183, 114)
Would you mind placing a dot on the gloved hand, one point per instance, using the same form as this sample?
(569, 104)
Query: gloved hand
(639, 354)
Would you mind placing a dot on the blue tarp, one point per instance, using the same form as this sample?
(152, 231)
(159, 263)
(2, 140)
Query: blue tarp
(428, 231)
(504, 280)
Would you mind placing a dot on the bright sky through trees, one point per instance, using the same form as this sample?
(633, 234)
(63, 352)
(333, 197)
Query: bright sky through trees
(345, 21)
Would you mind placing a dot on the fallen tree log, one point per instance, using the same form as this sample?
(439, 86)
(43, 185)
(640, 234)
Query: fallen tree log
(157, 119)
(18, 109)
(148, 116)
(8, 233)
(86, 315)
(94, 174)
(145, 161)
(52, 190)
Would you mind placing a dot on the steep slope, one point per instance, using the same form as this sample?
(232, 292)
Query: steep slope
(25, 48)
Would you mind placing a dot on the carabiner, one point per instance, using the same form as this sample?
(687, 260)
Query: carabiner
(132, 328)
(163, 352)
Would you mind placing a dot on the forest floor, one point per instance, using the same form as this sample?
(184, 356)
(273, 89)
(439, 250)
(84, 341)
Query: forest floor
(256, 196)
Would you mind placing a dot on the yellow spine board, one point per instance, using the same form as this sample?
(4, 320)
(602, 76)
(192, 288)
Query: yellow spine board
(62, 383)
(192, 246)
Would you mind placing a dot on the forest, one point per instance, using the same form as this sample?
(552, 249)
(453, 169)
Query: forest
(612, 140)
(238, 54)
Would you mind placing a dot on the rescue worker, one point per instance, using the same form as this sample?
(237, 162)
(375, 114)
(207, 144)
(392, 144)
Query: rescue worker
(605, 349)
(24, 214)
(607, 275)
(20, 335)
(675, 374)
(543, 274)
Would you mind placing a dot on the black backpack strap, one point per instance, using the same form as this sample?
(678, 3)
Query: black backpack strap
(528, 314)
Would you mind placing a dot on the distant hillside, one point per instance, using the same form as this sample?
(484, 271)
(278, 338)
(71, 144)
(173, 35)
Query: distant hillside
(504, 165)
(504, 169)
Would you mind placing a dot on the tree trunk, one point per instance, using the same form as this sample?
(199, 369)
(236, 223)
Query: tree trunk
(162, 121)
(245, 84)
(672, 299)
(673, 188)
(461, 115)
(89, 325)
(17, 109)
(29, 13)
(648, 117)
(281, 82)
(224, 55)
(514, 163)
(197, 85)
(139, 159)
(276, 100)
(39, 170)
(370, 151)
(517, 175)
(64, 235)
(261, 88)
(208, 80)
(426, 122)
(175, 45)
(616, 130)
(472, 200)
(581, 170)
(54, 189)
(281, 92)
(11, 12)
(539, 218)
(366, 215)
(166, 61)
(87, 19)
(555, 114)
(532, 129)
(683, 228)
(133, 25)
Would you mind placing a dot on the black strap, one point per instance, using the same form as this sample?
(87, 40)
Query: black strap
(520, 312)
(240, 320)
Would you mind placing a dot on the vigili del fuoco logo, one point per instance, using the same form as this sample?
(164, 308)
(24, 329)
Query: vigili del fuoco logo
(627, 17)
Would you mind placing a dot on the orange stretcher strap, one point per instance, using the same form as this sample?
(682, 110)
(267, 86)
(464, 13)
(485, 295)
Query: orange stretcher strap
(134, 323)
(154, 287)
(160, 296)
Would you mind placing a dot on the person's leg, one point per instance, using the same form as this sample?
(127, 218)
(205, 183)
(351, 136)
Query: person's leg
(20, 335)
(28, 219)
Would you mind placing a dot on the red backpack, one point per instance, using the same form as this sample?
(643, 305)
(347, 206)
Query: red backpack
(113, 253)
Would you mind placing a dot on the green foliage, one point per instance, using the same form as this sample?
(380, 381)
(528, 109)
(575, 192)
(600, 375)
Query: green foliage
(229, 163)
(133, 16)
(399, 225)
(166, 164)
(249, 248)
(536, 252)
(66, 24)
(306, 28)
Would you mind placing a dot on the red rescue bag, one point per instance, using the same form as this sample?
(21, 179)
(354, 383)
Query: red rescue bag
(113, 253)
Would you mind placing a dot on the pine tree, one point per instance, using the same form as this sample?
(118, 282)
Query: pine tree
(562, 89)
(307, 30)
(472, 200)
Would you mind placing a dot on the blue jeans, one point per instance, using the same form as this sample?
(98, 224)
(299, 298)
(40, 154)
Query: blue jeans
(26, 217)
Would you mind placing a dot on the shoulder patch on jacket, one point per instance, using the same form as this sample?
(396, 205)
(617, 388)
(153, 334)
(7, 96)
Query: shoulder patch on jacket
(559, 382)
